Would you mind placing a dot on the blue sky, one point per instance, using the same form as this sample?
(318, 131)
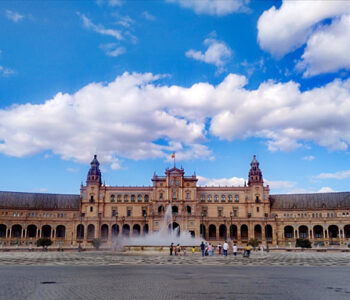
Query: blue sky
(214, 81)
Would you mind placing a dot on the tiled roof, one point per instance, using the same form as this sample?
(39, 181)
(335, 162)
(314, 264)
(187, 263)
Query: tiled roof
(39, 201)
(311, 201)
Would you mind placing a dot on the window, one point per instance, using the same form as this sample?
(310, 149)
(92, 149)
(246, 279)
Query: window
(146, 198)
(160, 196)
(132, 198)
(257, 209)
(235, 213)
(126, 198)
(174, 194)
(216, 198)
(223, 198)
(128, 212)
(114, 213)
(257, 200)
(202, 198)
(139, 198)
(119, 198)
(188, 195)
(230, 198)
(144, 212)
(91, 208)
(219, 211)
(177, 182)
(112, 198)
(209, 198)
(205, 211)
(92, 199)
(237, 198)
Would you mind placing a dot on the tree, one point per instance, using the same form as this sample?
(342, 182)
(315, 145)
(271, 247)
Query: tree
(303, 243)
(43, 242)
(96, 243)
(254, 243)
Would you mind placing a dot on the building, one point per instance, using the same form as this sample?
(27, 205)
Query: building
(215, 213)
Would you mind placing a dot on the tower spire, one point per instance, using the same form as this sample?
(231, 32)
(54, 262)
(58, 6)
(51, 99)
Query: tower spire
(255, 175)
(94, 174)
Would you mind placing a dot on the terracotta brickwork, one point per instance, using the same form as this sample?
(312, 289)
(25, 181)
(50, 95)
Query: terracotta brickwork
(214, 213)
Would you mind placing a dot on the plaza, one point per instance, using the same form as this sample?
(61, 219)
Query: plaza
(111, 275)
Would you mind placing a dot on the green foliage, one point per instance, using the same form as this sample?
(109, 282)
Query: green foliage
(96, 243)
(303, 243)
(254, 243)
(43, 242)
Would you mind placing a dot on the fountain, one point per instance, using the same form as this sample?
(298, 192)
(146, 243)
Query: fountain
(158, 240)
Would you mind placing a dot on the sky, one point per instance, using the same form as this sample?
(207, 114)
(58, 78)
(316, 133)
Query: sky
(215, 81)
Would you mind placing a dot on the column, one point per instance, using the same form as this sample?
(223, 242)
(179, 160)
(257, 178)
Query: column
(263, 234)
(239, 241)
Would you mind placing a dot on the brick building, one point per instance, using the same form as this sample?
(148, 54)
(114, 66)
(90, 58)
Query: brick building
(216, 212)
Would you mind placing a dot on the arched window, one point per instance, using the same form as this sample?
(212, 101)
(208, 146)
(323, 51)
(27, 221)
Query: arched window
(223, 198)
(229, 198)
(139, 198)
(209, 198)
(126, 198)
(132, 198)
(216, 198)
(146, 198)
(236, 198)
(112, 198)
(188, 195)
(119, 198)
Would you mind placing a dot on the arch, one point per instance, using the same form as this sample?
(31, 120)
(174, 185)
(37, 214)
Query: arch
(16, 231)
(61, 231)
(91, 232)
(80, 232)
(212, 232)
(161, 209)
(175, 227)
(188, 209)
(174, 209)
(303, 232)
(31, 231)
(3, 229)
(145, 229)
(288, 232)
(46, 231)
(115, 231)
(257, 232)
(318, 232)
(202, 231)
(268, 232)
(347, 231)
(244, 232)
(104, 232)
(223, 232)
(126, 230)
(333, 231)
(233, 232)
(146, 198)
(136, 230)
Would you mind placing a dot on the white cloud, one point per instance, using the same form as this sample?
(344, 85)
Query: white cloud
(111, 3)
(14, 16)
(296, 23)
(72, 170)
(337, 175)
(126, 21)
(234, 181)
(319, 57)
(279, 184)
(218, 53)
(309, 158)
(100, 28)
(130, 115)
(148, 16)
(326, 189)
(6, 71)
(213, 7)
(111, 49)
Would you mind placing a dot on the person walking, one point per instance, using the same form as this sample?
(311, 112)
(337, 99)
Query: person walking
(219, 248)
(210, 249)
(171, 248)
(247, 250)
(193, 249)
(225, 248)
(202, 248)
(235, 249)
(178, 249)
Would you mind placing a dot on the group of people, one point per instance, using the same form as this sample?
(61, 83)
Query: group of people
(207, 249)
(177, 249)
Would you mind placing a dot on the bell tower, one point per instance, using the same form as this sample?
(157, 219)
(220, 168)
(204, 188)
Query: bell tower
(94, 175)
(255, 175)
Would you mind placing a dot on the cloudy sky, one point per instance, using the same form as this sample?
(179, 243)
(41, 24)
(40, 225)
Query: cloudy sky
(215, 81)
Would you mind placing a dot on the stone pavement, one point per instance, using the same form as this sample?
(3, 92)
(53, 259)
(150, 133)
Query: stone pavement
(104, 258)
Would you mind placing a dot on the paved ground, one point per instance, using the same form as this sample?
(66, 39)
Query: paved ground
(114, 258)
(173, 282)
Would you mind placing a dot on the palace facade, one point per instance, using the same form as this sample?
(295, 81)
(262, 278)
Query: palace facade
(214, 213)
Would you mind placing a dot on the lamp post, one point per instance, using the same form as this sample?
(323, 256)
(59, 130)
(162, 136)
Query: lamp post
(267, 243)
(231, 235)
(201, 227)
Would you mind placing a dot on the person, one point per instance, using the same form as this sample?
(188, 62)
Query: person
(219, 248)
(178, 249)
(202, 248)
(262, 250)
(171, 248)
(184, 250)
(194, 249)
(210, 249)
(175, 250)
(235, 249)
(247, 250)
(225, 248)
